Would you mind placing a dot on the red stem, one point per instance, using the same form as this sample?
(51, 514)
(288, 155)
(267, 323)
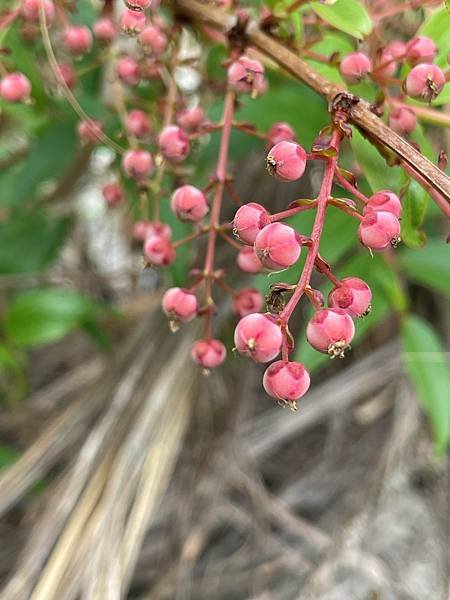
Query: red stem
(340, 179)
(290, 212)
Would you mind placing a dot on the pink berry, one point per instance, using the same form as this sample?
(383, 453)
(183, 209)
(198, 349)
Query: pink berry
(128, 70)
(287, 381)
(189, 203)
(420, 49)
(89, 131)
(15, 87)
(30, 10)
(402, 120)
(378, 230)
(397, 49)
(78, 40)
(278, 246)
(280, 132)
(68, 74)
(112, 193)
(180, 304)
(138, 124)
(355, 66)
(387, 65)
(159, 251)
(353, 295)
(138, 164)
(137, 5)
(153, 40)
(105, 30)
(258, 336)
(191, 119)
(248, 301)
(248, 261)
(384, 200)
(424, 82)
(208, 353)
(132, 22)
(249, 220)
(174, 143)
(247, 76)
(287, 161)
(145, 229)
(330, 331)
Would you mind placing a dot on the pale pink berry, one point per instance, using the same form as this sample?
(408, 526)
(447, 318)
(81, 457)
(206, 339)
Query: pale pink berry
(249, 220)
(402, 120)
(286, 380)
(132, 22)
(145, 229)
(397, 49)
(15, 87)
(248, 261)
(420, 49)
(137, 164)
(208, 353)
(280, 132)
(174, 143)
(138, 4)
(384, 200)
(424, 82)
(189, 203)
(248, 301)
(278, 246)
(191, 119)
(355, 66)
(387, 65)
(287, 161)
(378, 230)
(247, 76)
(89, 131)
(112, 193)
(68, 74)
(159, 251)
(180, 304)
(153, 40)
(78, 39)
(352, 295)
(128, 70)
(258, 336)
(105, 30)
(137, 124)
(30, 10)
(330, 331)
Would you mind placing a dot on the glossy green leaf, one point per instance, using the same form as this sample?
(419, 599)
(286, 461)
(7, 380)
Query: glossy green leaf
(414, 204)
(349, 16)
(429, 266)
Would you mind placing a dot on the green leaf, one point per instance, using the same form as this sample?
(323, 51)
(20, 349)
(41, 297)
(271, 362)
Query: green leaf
(349, 16)
(414, 204)
(427, 366)
(8, 455)
(429, 266)
(437, 27)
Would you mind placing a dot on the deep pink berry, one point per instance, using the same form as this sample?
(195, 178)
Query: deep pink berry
(280, 132)
(105, 30)
(145, 229)
(286, 380)
(138, 164)
(378, 230)
(278, 246)
(128, 70)
(15, 87)
(112, 193)
(247, 76)
(287, 161)
(249, 220)
(330, 331)
(132, 22)
(397, 49)
(89, 131)
(78, 40)
(68, 74)
(137, 124)
(248, 301)
(159, 251)
(191, 119)
(424, 82)
(153, 40)
(402, 120)
(258, 336)
(208, 353)
(384, 200)
(180, 304)
(174, 143)
(248, 261)
(138, 4)
(355, 66)
(420, 49)
(189, 203)
(353, 295)
(30, 10)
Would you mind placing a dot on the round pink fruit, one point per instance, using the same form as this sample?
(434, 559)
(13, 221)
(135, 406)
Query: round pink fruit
(180, 304)
(287, 161)
(208, 353)
(330, 331)
(259, 337)
(189, 203)
(353, 295)
(278, 246)
(249, 220)
(286, 380)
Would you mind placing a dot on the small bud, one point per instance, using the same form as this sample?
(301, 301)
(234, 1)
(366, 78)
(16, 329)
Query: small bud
(248, 301)
(132, 22)
(137, 164)
(128, 70)
(355, 66)
(287, 161)
(249, 220)
(402, 120)
(30, 10)
(378, 230)
(191, 119)
(189, 203)
(248, 261)
(159, 251)
(180, 304)
(247, 76)
(287, 381)
(384, 200)
(280, 132)
(424, 82)
(353, 295)
(112, 193)
(77, 40)
(145, 229)
(278, 246)
(174, 143)
(105, 30)
(208, 353)
(15, 87)
(89, 131)
(153, 40)
(330, 331)
(258, 336)
(138, 124)
(420, 49)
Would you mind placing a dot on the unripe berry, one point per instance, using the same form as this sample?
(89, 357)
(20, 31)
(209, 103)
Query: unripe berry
(248, 261)
(189, 203)
(378, 230)
(208, 353)
(249, 220)
(137, 164)
(247, 76)
(397, 49)
(330, 331)
(280, 132)
(287, 161)
(78, 40)
(285, 380)
(158, 250)
(180, 304)
(355, 66)
(105, 30)
(174, 143)
(424, 82)
(384, 200)
(112, 193)
(248, 301)
(145, 229)
(153, 40)
(278, 246)
(15, 87)
(137, 5)
(89, 131)
(402, 120)
(68, 74)
(138, 124)
(258, 336)
(190, 119)
(132, 22)
(353, 295)
(128, 70)
(30, 10)
(420, 49)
